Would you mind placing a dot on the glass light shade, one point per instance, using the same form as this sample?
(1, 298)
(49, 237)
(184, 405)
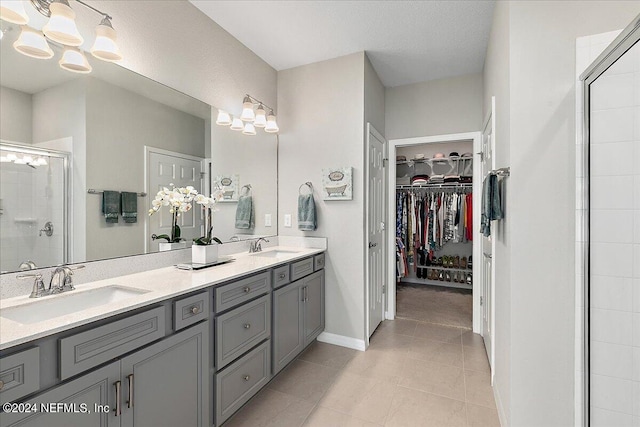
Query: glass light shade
(33, 44)
(249, 129)
(41, 161)
(74, 60)
(237, 124)
(21, 161)
(247, 112)
(261, 117)
(13, 11)
(224, 119)
(61, 27)
(27, 159)
(272, 125)
(4, 159)
(12, 157)
(105, 46)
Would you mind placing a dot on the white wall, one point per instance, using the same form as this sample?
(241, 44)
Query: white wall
(436, 107)
(321, 111)
(542, 127)
(15, 115)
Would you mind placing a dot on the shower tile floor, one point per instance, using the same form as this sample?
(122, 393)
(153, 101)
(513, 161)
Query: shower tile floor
(415, 373)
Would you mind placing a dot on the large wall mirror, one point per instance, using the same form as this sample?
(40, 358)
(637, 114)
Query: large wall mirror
(66, 138)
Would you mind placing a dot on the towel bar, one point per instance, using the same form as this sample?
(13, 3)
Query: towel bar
(93, 191)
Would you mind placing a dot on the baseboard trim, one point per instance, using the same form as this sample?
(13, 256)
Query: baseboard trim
(389, 315)
(342, 341)
(502, 415)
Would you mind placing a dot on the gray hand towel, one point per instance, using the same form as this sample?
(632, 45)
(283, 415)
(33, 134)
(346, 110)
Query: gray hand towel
(491, 204)
(306, 213)
(244, 213)
(111, 206)
(129, 203)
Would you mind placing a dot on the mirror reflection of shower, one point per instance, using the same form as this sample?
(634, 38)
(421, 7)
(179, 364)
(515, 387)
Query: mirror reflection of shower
(34, 186)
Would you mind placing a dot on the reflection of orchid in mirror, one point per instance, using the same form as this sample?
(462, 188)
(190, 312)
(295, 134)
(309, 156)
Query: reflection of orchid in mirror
(178, 200)
(209, 206)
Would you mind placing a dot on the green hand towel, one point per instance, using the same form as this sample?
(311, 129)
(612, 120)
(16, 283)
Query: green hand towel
(111, 206)
(307, 213)
(244, 213)
(129, 202)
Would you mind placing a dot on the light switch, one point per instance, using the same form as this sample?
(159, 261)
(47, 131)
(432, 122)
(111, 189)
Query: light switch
(267, 220)
(287, 220)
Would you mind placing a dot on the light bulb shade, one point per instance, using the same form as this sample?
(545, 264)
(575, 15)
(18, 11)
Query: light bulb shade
(12, 157)
(105, 46)
(247, 112)
(20, 161)
(33, 44)
(249, 129)
(27, 159)
(261, 117)
(224, 119)
(272, 125)
(237, 124)
(13, 11)
(61, 27)
(74, 60)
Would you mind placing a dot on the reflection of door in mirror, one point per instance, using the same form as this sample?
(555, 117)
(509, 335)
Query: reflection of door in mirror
(33, 190)
(165, 168)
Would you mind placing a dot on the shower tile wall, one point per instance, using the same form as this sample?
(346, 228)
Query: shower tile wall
(29, 198)
(615, 244)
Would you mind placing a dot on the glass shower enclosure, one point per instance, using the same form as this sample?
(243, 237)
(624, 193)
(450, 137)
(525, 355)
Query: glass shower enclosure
(34, 214)
(611, 217)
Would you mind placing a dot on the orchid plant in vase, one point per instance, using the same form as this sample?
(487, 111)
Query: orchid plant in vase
(208, 206)
(178, 200)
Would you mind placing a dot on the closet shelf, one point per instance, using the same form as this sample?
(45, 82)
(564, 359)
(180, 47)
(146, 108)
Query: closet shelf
(438, 267)
(444, 283)
(453, 185)
(430, 161)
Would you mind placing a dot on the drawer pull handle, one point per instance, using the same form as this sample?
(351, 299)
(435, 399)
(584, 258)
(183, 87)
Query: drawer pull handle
(130, 401)
(194, 309)
(1, 384)
(246, 377)
(282, 276)
(247, 325)
(247, 290)
(117, 410)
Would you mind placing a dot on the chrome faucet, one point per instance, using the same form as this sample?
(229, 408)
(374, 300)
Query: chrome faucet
(61, 281)
(256, 246)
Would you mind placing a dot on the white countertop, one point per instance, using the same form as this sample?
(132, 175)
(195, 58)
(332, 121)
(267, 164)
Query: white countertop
(161, 284)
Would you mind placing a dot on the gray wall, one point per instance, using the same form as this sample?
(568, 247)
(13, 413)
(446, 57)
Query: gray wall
(321, 111)
(541, 58)
(15, 115)
(435, 107)
(119, 124)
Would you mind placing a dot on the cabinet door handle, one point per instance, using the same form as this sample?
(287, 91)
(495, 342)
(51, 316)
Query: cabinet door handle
(194, 309)
(246, 377)
(247, 325)
(282, 276)
(117, 410)
(306, 293)
(130, 401)
(1, 384)
(247, 290)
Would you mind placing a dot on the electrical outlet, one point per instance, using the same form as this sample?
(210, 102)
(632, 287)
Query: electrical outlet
(267, 220)
(287, 220)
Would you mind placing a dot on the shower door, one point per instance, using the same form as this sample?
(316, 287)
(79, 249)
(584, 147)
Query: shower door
(612, 268)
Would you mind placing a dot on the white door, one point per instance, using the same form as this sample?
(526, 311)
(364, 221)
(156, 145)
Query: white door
(488, 276)
(375, 226)
(165, 168)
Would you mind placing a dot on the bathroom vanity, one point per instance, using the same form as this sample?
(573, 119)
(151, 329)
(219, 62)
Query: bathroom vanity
(166, 347)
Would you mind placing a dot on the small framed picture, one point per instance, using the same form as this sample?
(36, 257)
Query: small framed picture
(337, 183)
(230, 186)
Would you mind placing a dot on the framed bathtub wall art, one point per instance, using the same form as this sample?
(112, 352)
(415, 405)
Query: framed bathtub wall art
(337, 184)
(230, 185)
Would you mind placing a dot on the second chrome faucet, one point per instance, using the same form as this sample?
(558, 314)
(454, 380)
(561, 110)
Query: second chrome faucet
(61, 281)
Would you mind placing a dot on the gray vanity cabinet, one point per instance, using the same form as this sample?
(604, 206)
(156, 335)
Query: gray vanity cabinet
(298, 318)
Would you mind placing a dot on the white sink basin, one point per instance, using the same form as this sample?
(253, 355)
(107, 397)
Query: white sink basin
(275, 254)
(50, 307)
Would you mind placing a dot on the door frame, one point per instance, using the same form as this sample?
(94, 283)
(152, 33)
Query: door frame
(476, 137)
(148, 150)
(372, 131)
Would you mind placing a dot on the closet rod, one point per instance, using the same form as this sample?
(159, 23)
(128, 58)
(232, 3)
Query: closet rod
(501, 172)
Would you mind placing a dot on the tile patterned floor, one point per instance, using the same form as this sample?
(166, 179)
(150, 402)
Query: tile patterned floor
(435, 304)
(413, 374)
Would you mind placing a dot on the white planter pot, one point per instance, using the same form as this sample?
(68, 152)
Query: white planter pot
(163, 246)
(206, 254)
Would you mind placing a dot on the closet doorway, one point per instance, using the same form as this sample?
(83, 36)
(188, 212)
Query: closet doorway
(434, 215)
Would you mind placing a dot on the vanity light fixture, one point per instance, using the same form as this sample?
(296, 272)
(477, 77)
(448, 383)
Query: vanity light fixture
(26, 159)
(237, 124)
(249, 129)
(61, 28)
(224, 119)
(257, 119)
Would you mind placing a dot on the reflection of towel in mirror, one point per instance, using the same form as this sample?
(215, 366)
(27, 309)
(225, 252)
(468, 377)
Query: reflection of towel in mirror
(129, 203)
(306, 213)
(111, 206)
(491, 204)
(244, 212)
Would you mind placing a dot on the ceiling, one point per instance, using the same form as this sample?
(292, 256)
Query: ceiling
(406, 41)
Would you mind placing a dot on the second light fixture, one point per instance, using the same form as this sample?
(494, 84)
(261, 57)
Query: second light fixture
(250, 119)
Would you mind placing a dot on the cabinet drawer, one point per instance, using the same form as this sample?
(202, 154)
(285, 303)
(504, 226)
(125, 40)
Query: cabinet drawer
(280, 276)
(98, 345)
(241, 329)
(301, 268)
(233, 294)
(190, 310)
(318, 262)
(19, 374)
(240, 381)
